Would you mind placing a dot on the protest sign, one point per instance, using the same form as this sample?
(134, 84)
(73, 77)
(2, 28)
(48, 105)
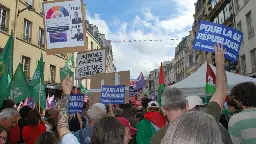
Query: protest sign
(64, 23)
(76, 102)
(131, 89)
(112, 94)
(90, 63)
(212, 33)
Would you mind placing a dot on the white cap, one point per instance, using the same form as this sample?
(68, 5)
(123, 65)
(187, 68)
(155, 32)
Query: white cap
(154, 103)
(194, 101)
(100, 106)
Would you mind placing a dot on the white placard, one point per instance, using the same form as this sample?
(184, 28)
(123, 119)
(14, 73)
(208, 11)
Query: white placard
(63, 24)
(90, 63)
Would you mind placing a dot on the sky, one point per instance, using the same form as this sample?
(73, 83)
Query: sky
(141, 19)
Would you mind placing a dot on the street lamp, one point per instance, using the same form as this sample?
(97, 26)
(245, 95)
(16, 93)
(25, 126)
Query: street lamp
(29, 7)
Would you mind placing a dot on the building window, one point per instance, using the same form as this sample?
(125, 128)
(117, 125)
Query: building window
(30, 2)
(27, 30)
(4, 13)
(237, 5)
(53, 72)
(86, 41)
(253, 59)
(26, 65)
(243, 65)
(249, 24)
(41, 7)
(91, 45)
(227, 12)
(239, 26)
(41, 38)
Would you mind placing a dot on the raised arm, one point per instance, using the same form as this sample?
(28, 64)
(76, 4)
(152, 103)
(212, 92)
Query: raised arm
(221, 79)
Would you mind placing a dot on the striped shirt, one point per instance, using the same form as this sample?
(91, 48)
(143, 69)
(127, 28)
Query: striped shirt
(242, 127)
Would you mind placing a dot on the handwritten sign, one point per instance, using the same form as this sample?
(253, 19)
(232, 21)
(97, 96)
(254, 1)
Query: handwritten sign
(76, 103)
(212, 33)
(112, 94)
(90, 63)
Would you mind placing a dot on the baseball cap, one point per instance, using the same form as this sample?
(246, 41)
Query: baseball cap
(153, 104)
(194, 101)
(126, 123)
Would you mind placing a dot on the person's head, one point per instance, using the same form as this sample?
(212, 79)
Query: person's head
(3, 135)
(53, 113)
(53, 123)
(244, 94)
(153, 106)
(46, 138)
(76, 14)
(193, 102)
(46, 113)
(118, 112)
(145, 101)
(24, 111)
(96, 112)
(232, 105)
(34, 117)
(193, 128)
(9, 117)
(108, 130)
(127, 110)
(7, 103)
(129, 130)
(174, 103)
(138, 116)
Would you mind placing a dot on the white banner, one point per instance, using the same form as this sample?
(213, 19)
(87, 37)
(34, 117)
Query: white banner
(90, 63)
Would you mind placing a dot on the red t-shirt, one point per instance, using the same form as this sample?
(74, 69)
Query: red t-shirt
(14, 135)
(31, 133)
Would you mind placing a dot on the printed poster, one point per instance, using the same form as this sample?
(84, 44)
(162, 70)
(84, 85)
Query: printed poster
(112, 94)
(76, 102)
(211, 33)
(90, 63)
(64, 24)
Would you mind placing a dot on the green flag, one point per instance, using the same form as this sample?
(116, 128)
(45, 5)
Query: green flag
(6, 69)
(161, 84)
(21, 89)
(210, 81)
(37, 84)
(84, 90)
(67, 69)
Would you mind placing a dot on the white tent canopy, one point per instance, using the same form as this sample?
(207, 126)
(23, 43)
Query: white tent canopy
(195, 83)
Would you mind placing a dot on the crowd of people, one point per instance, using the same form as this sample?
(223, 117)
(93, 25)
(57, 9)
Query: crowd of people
(176, 120)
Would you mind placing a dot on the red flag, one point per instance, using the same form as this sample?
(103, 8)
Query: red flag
(210, 80)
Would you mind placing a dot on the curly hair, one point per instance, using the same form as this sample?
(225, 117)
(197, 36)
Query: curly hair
(245, 93)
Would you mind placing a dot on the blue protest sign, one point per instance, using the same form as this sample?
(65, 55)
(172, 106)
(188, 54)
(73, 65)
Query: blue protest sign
(210, 33)
(76, 102)
(131, 90)
(112, 94)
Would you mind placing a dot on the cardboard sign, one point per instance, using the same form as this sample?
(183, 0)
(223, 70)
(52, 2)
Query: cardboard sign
(64, 23)
(90, 63)
(109, 79)
(112, 94)
(76, 102)
(212, 33)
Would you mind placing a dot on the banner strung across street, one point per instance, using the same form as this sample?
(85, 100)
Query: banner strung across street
(212, 33)
(112, 94)
(76, 102)
(64, 26)
(90, 63)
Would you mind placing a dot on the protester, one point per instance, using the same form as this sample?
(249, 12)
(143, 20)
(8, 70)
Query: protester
(242, 126)
(31, 132)
(109, 130)
(127, 113)
(3, 135)
(95, 113)
(128, 129)
(152, 122)
(46, 138)
(174, 103)
(53, 113)
(7, 103)
(196, 104)
(191, 129)
(66, 137)
(118, 112)
(53, 123)
(23, 121)
(9, 118)
(144, 103)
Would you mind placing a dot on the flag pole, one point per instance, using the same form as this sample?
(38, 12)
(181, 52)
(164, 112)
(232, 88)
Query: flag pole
(39, 95)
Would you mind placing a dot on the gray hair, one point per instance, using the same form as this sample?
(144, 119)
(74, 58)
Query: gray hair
(118, 112)
(193, 128)
(8, 113)
(95, 113)
(173, 99)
